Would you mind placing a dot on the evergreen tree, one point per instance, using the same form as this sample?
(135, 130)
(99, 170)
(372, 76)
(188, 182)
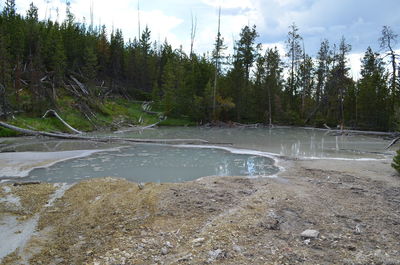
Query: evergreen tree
(245, 56)
(323, 62)
(168, 88)
(89, 68)
(103, 53)
(273, 83)
(116, 59)
(58, 58)
(294, 53)
(306, 84)
(9, 9)
(373, 94)
(337, 85)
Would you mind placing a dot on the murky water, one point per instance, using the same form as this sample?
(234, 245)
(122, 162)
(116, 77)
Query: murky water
(158, 163)
(163, 163)
(286, 141)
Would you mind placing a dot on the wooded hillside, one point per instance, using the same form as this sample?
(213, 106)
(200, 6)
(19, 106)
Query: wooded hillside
(42, 62)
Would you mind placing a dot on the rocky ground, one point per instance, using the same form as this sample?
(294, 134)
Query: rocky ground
(353, 206)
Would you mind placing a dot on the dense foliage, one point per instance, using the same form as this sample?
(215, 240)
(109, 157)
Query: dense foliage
(40, 62)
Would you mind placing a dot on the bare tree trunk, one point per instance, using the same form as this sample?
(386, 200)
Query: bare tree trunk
(269, 106)
(64, 122)
(217, 63)
(193, 34)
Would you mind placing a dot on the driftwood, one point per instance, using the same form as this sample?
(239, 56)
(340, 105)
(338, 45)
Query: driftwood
(138, 128)
(98, 139)
(64, 122)
(80, 85)
(146, 108)
(326, 126)
(26, 183)
(395, 140)
(357, 132)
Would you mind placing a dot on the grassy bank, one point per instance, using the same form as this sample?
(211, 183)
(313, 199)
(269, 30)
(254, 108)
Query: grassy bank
(111, 115)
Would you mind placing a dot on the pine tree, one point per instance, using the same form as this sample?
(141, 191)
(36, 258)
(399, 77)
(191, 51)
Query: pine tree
(9, 8)
(58, 58)
(168, 88)
(294, 53)
(324, 60)
(89, 68)
(245, 56)
(273, 82)
(103, 53)
(372, 99)
(338, 84)
(143, 71)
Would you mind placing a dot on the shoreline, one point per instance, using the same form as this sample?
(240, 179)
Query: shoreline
(223, 220)
(18, 165)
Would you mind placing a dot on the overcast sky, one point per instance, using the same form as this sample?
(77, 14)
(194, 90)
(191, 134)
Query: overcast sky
(359, 21)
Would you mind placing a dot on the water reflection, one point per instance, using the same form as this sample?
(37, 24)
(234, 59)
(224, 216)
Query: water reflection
(293, 142)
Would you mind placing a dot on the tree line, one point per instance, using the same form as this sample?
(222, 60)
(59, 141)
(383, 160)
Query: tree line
(43, 61)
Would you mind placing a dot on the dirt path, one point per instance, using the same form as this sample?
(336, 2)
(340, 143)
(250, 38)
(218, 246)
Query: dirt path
(355, 207)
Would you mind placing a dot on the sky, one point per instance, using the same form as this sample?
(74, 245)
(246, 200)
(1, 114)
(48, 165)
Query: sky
(359, 21)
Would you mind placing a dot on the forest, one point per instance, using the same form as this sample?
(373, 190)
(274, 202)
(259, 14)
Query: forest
(45, 64)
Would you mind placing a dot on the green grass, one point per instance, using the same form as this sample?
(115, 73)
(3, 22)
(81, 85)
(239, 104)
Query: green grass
(177, 122)
(114, 111)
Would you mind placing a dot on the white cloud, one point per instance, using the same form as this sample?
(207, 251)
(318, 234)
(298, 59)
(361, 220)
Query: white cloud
(230, 3)
(355, 64)
(279, 45)
(121, 14)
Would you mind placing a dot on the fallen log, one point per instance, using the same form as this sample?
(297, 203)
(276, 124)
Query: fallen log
(80, 85)
(395, 140)
(60, 119)
(357, 132)
(98, 139)
(26, 183)
(138, 128)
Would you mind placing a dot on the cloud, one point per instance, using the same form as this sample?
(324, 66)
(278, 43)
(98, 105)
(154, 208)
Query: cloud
(228, 4)
(122, 15)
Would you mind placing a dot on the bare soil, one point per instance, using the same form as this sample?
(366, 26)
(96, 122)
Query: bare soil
(354, 205)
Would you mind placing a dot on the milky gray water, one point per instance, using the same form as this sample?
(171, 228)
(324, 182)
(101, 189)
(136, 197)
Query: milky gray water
(249, 152)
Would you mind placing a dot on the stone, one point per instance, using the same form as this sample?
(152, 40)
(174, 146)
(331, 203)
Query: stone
(216, 254)
(164, 250)
(198, 241)
(168, 244)
(309, 233)
(237, 248)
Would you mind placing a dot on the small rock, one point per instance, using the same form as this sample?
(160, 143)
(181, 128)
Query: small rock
(237, 248)
(141, 185)
(357, 230)
(164, 250)
(309, 233)
(168, 244)
(185, 258)
(216, 254)
(198, 241)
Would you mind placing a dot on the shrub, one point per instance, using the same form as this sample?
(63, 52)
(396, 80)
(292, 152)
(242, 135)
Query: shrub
(396, 161)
